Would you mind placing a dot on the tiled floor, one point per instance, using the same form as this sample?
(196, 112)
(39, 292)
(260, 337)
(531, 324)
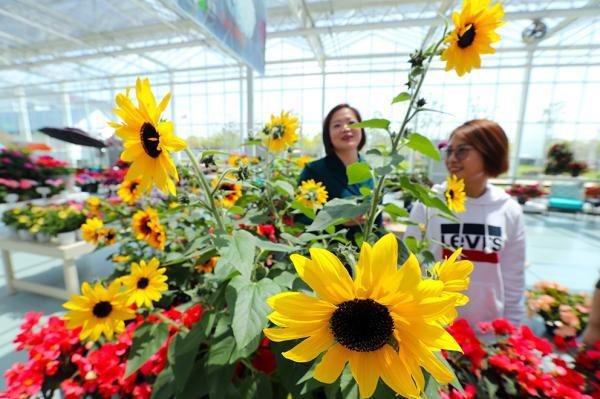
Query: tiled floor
(560, 247)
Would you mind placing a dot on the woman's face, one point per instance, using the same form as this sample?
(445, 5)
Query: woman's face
(463, 160)
(342, 137)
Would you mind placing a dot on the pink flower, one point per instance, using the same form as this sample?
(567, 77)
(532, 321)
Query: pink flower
(26, 184)
(54, 182)
(9, 183)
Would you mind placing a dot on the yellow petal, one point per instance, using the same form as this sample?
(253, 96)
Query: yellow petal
(332, 364)
(311, 347)
(365, 371)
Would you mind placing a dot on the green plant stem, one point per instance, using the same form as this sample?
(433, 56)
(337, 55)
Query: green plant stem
(377, 193)
(276, 217)
(211, 201)
(170, 322)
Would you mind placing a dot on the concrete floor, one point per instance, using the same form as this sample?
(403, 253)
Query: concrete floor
(560, 247)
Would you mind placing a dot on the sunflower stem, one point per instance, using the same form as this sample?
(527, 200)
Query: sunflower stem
(211, 201)
(276, 217)
(377, 194)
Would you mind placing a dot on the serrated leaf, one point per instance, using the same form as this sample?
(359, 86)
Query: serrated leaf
(422, 144)
(373, 124)
(239, 253)
(251, 308)
(404, 96)
(147, 340)
(358, 172)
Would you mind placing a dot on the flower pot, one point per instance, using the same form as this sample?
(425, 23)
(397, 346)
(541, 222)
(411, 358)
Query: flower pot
(25, 235)
(79, 235)
(12, 232)
(42, 237)
(66, 238)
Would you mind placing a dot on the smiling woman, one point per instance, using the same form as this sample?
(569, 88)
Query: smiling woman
(342, 145)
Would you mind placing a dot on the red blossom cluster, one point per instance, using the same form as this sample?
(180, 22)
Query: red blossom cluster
(525, 193)
(264, 230)
(58, 358)
(587, 362)
(49, 162)
(516, 363)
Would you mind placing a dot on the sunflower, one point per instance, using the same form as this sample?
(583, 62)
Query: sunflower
(120, 258)
(148, 140)
(303, 160)
(385, 322)
(280, 132)
(107, 236)
(455, 194)
(473, 35)
(130, 190)
(99, 310)
(145, 283)
(208, 266)
(144, 223)
(236, 161)
(230, 192)
(455, 278)
(94, 205)
(312, 194)
(91, 229)
(158, 237)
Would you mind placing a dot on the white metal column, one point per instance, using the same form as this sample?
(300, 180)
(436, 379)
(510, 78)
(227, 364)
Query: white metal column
(250, 103)
(521, 121)
(24, 124)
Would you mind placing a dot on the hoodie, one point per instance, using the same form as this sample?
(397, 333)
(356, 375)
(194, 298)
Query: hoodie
(492, 235)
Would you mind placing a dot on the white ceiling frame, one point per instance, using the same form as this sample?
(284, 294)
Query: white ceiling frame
(584, 12)
(300, 10)
(442, 12)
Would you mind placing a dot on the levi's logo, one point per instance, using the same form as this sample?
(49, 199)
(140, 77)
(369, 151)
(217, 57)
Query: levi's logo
(473, 236)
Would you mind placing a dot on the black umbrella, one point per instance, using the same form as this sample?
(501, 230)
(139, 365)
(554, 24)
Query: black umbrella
(74, 136)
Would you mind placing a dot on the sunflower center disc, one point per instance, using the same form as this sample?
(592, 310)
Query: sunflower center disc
(451, 194)
(133, 187)
(142, 283)
(102, 309)
(361, 325)
(467, 38)
(150, 140)
(277, 131)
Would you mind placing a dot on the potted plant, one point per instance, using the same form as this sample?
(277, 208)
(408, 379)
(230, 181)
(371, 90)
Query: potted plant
(63, 224)
(525, 193)
(577, 168)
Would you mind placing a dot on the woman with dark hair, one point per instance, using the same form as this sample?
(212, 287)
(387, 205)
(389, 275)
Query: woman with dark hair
(342, 145)
(490, 230)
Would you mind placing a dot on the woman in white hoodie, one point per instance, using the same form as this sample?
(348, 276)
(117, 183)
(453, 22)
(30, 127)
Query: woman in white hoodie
(491, 229)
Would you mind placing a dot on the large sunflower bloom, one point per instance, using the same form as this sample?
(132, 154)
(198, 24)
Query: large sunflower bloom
(229, 190)
(455, 194)
(107, 236)
(144, 223)
(91, 230)
(148, 140)
(145, 283)
(385, 322)
(130, 190)
(280, 132)
(473, 35)
(312, 194)
(99, 310)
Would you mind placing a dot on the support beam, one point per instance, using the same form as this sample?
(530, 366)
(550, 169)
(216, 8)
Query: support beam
(441, 11)
(302, 15)
(521, 121)
(583, 12)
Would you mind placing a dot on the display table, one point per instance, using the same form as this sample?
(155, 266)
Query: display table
(68, 253)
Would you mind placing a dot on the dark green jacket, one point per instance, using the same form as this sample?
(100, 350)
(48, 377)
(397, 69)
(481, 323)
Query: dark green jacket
(331, 171)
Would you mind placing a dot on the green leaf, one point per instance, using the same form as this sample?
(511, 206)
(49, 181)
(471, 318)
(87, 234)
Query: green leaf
(306, 211)
(395, 211)
(432, 388)
(251, 309)
(412, 244)
(284, 188)
(358, 172)
(163, 387)
(182, 353)
(147, 340)
(365, 191)
(220, 351)
(285, 280)
(372, 123)
(267, 245)
(374, 151)
(404, 96)
(337, 211)
(389, 167)
(213, 152)
(422, 144)
(251, 142)
(239, 253)
(237, 210)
